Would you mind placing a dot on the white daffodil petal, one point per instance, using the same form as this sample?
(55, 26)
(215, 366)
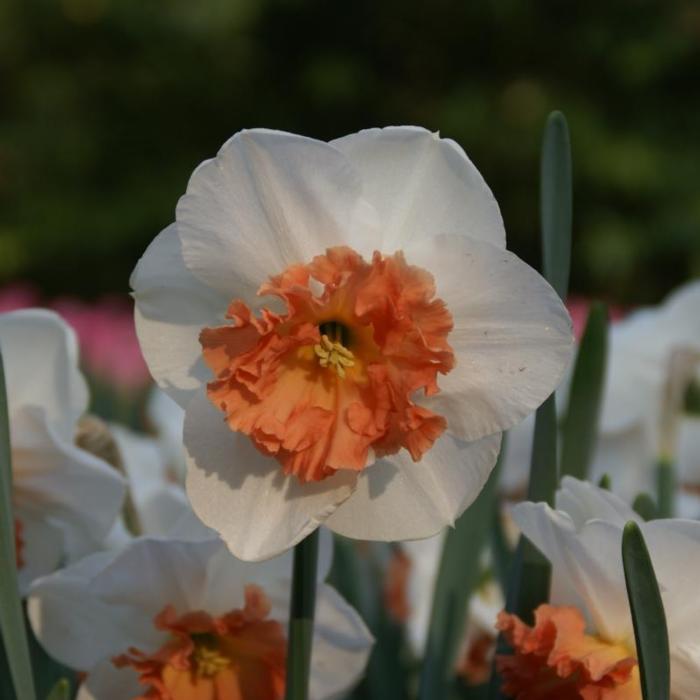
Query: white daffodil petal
(78, 628)
(269, 199)
(425, 560)
(582, 502)
(635, 371)
(143, 464)
(685, 662)
(626, 457)
(42, 546)
(244, 495)
(273, 575)
(341, 646)
(515, 472)
(422, 185)
(639, 352)
(586, 566)
(40, 356)
(107, 682)
(172, 307)
(79, 492)
(170, 572)
(674, 547)
(399, 499)
(512, 335)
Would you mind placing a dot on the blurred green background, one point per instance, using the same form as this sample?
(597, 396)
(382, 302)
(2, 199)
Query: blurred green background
(106, 106)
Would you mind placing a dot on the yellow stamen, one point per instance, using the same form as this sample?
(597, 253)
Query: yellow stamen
(209, 661)
(334, 354)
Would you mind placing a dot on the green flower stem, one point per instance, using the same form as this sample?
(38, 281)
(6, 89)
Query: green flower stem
(301, 618)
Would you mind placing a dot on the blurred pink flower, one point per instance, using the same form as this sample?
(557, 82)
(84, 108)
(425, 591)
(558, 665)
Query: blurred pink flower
(108, 342)
(18, 296)
(578, 310)
(108, 346)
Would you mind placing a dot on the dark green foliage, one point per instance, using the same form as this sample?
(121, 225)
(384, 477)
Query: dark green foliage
(108, 105)
(579, 432)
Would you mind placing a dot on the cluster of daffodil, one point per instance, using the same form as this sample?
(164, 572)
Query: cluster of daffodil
(340, 339)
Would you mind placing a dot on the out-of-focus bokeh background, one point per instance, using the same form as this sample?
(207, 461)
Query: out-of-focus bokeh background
(106, 106)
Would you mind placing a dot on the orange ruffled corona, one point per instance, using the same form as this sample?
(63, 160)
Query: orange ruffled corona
(238, 656)
(321, 385)
(474, 667)
(557, 660)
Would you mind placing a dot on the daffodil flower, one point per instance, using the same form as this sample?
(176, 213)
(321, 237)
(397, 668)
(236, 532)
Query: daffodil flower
(347, 334)
(64, 499)
(583, 642)
(171, 620)
(643, 349)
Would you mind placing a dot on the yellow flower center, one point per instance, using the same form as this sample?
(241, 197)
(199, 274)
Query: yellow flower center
(334, 355)
(208, 660)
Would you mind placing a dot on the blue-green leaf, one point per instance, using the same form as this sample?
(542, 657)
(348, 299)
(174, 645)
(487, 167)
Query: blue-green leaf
(648, 616)
(580, 428)
(665, 488)
(14, 634)
(645, 507)
(556, 202)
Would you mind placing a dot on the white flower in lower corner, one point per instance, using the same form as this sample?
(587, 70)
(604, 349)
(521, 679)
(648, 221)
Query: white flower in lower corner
(172, 620)
(396, 340)
(64, 498)
(584, 640)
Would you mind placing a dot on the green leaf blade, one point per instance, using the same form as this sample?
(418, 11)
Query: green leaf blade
(301, 618)
(14, 633)
(556, 202)
(648, 616)
(585, 398)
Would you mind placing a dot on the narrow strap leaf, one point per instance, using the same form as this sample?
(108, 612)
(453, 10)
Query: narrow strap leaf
(531, 572)
(14, 633)
(648, 616)
(665, 488)
(581, 424)
(301, 618)
(645, 507)
(458, 576)
(556, 202)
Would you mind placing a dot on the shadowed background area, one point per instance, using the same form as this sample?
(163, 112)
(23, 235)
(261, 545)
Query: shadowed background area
(106, 106)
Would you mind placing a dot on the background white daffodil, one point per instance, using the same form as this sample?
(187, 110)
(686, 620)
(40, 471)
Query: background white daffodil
(65, 499)
(582, 539)
(105, 605)
(643, 349)
(156, 504)
(167, 418)
(271, 200)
